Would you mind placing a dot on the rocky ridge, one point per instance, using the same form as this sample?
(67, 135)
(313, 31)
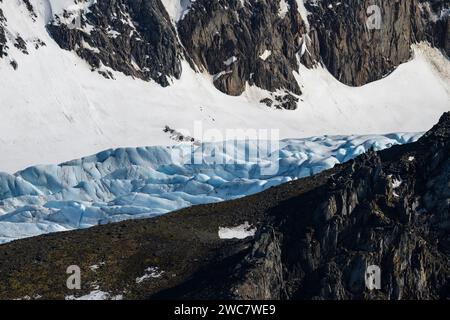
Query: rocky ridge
(357, 49)
(261, 40)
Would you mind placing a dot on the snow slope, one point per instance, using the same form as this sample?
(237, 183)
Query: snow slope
(176, 8)
(53, 108)
(130, 183)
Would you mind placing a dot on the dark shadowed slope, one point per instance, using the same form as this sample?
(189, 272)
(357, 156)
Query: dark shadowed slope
(315, 238)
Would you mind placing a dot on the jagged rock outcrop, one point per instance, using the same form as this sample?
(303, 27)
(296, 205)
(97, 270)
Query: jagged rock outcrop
(241, 42)
(133, 37)
(362, 41)
(344, 36)
(315, 239)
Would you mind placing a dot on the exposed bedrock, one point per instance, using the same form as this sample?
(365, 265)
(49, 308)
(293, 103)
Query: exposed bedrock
(135, 37)
(255, 43)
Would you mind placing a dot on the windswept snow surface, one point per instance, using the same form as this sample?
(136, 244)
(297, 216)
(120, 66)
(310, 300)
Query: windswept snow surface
(53, 108)
(132, 183)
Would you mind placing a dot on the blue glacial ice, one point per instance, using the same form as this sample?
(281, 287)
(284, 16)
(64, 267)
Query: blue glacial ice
(132, 183)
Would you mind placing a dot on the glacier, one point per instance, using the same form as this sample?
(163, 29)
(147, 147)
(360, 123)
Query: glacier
(132, 183)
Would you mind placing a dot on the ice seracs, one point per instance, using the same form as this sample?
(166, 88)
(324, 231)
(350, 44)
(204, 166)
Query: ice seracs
(132, 183)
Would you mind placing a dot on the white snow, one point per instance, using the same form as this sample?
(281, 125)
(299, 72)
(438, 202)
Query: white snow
(396, 183)
(59, 6)
(230, 61)
(266, 54)
(150, 273)
(94, 267)
(96, 295)
(303, 13)
(65, 10)
(239, 232)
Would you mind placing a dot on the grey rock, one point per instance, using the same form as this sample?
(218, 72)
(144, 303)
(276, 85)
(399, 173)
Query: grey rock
(133, 37)
(356, 53)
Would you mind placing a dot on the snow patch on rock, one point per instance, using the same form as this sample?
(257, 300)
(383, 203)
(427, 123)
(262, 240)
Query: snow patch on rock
(239, 232)
(96, 295)
(150, 273)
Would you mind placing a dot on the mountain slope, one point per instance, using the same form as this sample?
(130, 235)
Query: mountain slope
(314, 239)
(53, 95)
(229, 37)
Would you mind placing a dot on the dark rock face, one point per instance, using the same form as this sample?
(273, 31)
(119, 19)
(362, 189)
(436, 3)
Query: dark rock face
(316, 239)
(213, 32)
(133, 37)
(375, 211)
(347, 40)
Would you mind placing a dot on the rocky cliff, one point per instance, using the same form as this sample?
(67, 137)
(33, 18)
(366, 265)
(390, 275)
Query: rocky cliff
(363, 41)
(315, 239)
(241, 42)
(133, 37)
